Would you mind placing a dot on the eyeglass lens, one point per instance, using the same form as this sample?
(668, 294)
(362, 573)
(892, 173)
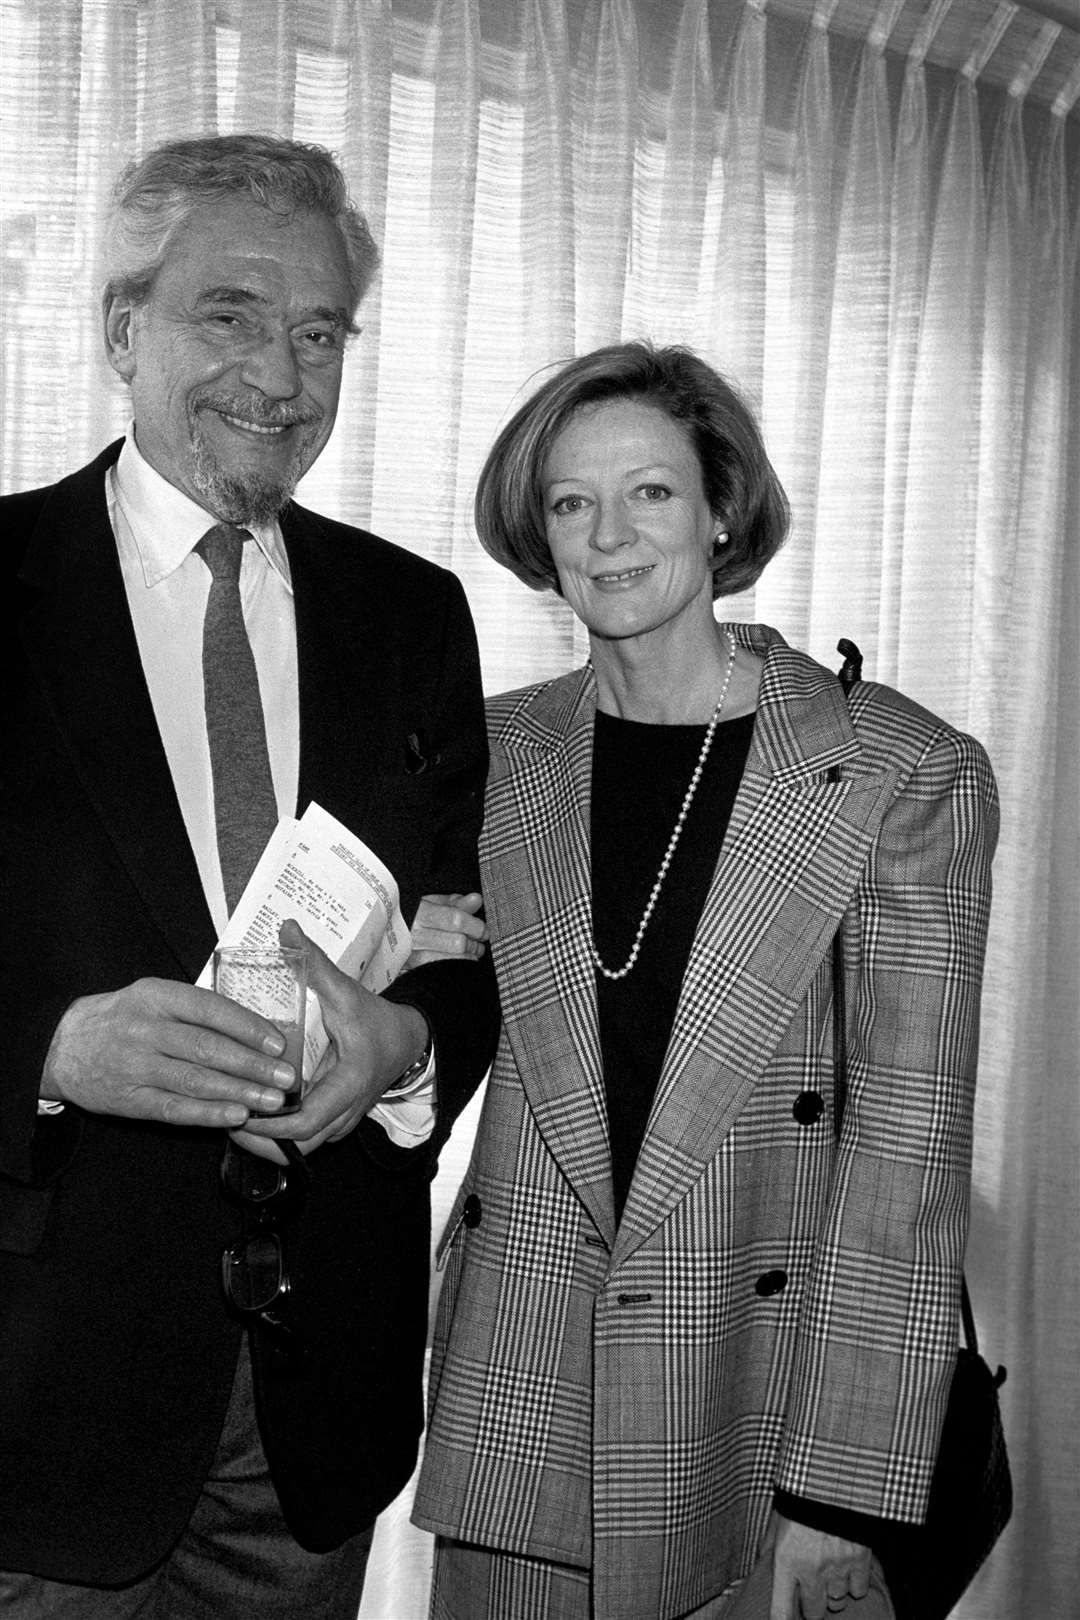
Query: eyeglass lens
(253, 1271)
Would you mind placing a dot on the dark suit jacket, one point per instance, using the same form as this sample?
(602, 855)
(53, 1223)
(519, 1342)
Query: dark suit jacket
(116, 1350)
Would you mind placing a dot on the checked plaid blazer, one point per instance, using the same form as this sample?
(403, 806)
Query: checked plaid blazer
(773, 1311)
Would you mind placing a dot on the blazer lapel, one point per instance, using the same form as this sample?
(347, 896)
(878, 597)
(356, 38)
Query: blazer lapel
(790, 861)
(338, 668)
(535, 850)
(79, 639)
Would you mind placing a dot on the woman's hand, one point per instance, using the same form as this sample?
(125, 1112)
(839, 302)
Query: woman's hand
(447, 927)
(814, 1575)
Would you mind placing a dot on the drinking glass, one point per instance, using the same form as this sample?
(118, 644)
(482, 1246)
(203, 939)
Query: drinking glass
(273, 983)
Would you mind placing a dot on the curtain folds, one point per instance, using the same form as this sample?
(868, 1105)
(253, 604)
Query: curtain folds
(933, 623)
(851, 475)
(801, 226)
(910, 227)
(881, 251)
(735, 313)
(605, 121)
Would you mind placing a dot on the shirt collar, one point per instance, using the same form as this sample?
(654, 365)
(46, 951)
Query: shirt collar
(166, 525)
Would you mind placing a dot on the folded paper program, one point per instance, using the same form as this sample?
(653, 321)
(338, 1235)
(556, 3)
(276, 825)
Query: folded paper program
(315, 871)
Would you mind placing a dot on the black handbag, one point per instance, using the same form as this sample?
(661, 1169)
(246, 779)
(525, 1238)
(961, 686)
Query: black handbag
(971, 1491)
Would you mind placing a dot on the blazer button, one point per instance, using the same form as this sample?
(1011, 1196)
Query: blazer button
(808, 1107)
(770, 1282)
(472, 1210)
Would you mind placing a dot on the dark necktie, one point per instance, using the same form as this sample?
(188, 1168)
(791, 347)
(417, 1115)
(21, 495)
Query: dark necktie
(245, 809)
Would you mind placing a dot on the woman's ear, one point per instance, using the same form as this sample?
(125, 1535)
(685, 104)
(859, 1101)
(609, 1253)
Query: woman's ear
(721, 535)
(725, 524)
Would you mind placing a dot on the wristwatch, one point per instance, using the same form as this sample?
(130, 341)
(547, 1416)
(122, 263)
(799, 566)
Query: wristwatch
(415, 1070)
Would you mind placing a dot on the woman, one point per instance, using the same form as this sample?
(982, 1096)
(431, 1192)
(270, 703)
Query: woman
(682, 1330)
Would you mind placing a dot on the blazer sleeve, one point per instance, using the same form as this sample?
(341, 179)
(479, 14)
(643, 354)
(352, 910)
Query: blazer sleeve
(458, 999)
(878, 1329)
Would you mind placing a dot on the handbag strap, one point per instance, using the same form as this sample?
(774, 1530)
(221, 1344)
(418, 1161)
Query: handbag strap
(850, 672)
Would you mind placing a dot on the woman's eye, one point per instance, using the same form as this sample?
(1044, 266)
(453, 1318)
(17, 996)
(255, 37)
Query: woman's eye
(567, 504)
(655, 492)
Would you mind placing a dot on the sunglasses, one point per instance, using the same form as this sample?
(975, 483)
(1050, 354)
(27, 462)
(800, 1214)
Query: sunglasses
(254, 1273)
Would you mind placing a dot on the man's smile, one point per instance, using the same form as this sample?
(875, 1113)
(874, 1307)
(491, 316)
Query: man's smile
(256, 427)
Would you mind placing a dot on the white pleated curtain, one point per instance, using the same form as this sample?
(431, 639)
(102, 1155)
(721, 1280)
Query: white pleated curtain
(883, 253)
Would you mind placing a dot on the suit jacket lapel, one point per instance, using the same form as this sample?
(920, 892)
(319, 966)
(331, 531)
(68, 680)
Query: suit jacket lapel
(790, 861)
(337, 666)
(79, 638)
(538, 893)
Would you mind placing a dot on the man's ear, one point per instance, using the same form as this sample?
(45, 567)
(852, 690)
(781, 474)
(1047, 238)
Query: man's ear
(120, 335)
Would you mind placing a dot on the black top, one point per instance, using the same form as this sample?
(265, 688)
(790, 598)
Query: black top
(640, 775)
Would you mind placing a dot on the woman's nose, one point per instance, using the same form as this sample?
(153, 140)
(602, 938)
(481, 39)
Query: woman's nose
(611, 529)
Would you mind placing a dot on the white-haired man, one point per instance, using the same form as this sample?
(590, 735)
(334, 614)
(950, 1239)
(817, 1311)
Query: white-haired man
(155, 1459)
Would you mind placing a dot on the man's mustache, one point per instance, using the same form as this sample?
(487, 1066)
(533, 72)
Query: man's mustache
(249, 408)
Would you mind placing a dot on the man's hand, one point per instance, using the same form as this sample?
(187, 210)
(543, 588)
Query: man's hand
(162, 1050)
(372, 1041)
(447, 927)
(814, 1574)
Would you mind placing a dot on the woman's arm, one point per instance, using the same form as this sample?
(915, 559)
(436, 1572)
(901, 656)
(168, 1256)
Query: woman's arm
(878, 1325)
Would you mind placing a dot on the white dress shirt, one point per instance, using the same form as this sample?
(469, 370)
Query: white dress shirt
(157, 528)
(167, 583)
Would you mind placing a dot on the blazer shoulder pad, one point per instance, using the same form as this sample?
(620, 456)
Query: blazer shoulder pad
(891, 725)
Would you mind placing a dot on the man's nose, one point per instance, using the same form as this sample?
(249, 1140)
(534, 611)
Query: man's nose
(272, 367)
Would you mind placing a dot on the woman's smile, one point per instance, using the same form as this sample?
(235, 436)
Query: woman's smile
(623, 577)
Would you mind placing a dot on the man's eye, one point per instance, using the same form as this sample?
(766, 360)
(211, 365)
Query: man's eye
(319, 342)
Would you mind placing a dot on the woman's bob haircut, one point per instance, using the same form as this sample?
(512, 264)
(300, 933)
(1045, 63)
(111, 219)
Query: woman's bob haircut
(740, 485)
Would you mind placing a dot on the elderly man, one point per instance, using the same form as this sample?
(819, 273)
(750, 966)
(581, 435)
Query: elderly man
(155, 1458)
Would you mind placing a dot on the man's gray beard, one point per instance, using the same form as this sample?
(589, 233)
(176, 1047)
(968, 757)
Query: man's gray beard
(237, 500)
(251, 499)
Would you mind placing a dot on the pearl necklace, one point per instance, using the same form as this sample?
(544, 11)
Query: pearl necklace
(673, 841)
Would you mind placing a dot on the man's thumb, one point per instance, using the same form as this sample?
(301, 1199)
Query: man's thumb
(323, 975)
